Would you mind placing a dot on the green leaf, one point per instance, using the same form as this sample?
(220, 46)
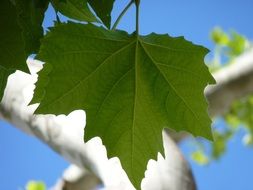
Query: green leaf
(220, 143)
(237, 44)
(75, 9)
(131, 87)
(200, 157)
(248, 139)
(30, 18)
(12, 47)
(219, 37)
(103, 9)
(241, 115)
(35, 185)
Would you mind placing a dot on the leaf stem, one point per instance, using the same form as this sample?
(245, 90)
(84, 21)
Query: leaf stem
(137, 3)
(122, 14)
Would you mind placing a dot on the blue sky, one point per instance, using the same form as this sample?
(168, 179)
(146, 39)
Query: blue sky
(24, 158)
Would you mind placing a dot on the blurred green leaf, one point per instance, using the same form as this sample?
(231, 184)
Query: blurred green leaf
(35, 185)
(241, 114)
(248, 140)
(219, 37)
(237, 44)
(200, 157)
(220, 143)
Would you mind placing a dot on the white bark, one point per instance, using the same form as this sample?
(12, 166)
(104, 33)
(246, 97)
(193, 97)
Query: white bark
(171, 173)
(75, 178)
(233, 82)
(64, 133)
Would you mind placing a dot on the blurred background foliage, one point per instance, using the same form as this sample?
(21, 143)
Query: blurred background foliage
(35, 185)
(228, 46)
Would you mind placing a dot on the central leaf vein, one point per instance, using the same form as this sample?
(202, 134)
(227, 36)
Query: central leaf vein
(134, 105)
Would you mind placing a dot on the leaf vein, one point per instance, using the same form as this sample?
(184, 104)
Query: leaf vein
(87, 77)
(171, 49)
(172, 86)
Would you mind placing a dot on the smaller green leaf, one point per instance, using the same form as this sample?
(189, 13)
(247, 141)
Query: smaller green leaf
(75, 9)
(12, 46)
(103, 9)
(30, 18)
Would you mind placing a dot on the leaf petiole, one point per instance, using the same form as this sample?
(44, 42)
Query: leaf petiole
(137, 3)
(122, 14)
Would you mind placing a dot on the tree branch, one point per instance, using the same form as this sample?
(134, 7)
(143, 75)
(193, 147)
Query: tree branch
(233, 82)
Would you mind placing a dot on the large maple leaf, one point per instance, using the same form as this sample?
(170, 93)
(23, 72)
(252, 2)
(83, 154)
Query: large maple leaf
(130, 86)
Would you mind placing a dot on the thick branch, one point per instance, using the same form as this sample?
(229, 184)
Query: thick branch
(233, 82)
(75, 178)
